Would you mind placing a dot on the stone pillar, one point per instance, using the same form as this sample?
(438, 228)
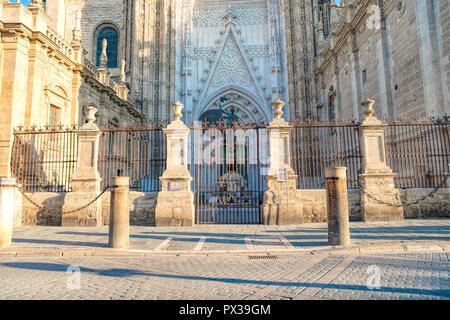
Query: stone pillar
(86, 180)
(175, 202)
(377, 178)
(119, 225)
(281, 203)
(7, 207)
(337, 206)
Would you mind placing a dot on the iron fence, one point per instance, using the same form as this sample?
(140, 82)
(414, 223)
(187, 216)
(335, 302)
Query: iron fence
(228, 164)
(316, 146)
(419, 153)
(44, 159)
(137, 152)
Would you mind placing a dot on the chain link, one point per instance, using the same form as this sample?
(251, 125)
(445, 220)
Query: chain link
(400, 205)
(66, 212)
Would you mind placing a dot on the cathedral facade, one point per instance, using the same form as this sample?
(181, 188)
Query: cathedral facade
(321, 58)
(239, 56)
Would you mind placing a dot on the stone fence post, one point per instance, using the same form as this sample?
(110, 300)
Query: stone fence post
(376, 179)
(86, 179)
(175, 202)
(281, 203)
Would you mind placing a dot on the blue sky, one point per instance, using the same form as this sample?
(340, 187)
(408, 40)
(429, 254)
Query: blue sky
(25, 2)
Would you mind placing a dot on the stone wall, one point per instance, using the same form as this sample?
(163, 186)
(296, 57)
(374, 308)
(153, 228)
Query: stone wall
(437, 206)
(142, 208)
(401, 63)
(111, 102)
(41, 71)
(314, 205)
(94, 14)
(32, 216)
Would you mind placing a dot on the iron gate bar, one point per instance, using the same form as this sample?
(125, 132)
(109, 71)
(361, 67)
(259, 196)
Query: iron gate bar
(227, 184)
(137, 151)
(416, 146)
(317, 145)
(44, 158)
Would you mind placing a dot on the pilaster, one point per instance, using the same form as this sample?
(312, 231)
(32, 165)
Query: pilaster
(175, 202)
(376, 179)
(86, 179)
(281, 203)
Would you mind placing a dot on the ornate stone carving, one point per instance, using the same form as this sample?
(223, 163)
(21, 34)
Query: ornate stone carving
(231, 67)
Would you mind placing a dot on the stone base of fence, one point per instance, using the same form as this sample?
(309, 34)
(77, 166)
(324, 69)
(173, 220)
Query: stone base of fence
(437, 206)
(88, 217)
(142, 208)
(380, 186)
(143, 205)
(175, 203)
(175, 209)
(282, 203)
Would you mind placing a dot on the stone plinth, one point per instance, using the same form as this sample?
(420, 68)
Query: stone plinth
(381, 186)
(175, 202)
(7, 207)
(281, 203)
(377, 179)
(86, 179)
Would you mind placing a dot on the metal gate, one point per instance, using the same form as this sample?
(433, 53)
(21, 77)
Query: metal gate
(228, 165)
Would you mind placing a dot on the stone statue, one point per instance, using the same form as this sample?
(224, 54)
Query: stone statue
(228, 117)
(104, 57)
(77, 20)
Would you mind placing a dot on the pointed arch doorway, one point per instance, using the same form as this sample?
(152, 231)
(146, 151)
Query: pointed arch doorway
(229, 160)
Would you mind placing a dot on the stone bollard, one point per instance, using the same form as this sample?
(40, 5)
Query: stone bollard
(337, 206)
(119, 224)
(7, 206)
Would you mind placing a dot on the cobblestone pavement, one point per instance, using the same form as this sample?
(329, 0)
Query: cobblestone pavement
(230, 238)
(285, 276)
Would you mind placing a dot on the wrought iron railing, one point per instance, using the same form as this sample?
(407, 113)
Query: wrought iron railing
(316, 146)
(419, 153)
(137, 152)
(44, 159)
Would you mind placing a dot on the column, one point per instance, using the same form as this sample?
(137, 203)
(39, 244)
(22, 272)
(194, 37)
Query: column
(175, 202)
(119, 225)
(377, 178)
(337, 206)
(281, 203)
(86, 180)
(7, 207)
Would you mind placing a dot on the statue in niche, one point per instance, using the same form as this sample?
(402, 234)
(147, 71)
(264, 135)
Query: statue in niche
(229, 118)
(331, 106)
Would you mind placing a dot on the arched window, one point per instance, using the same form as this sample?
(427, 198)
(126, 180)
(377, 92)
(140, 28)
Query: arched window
(112, 36)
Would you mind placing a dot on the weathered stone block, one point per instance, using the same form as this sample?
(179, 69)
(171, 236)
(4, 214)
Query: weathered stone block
(87, 217)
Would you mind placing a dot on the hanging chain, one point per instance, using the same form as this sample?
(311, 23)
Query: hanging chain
(66, 212)
(400, 205)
